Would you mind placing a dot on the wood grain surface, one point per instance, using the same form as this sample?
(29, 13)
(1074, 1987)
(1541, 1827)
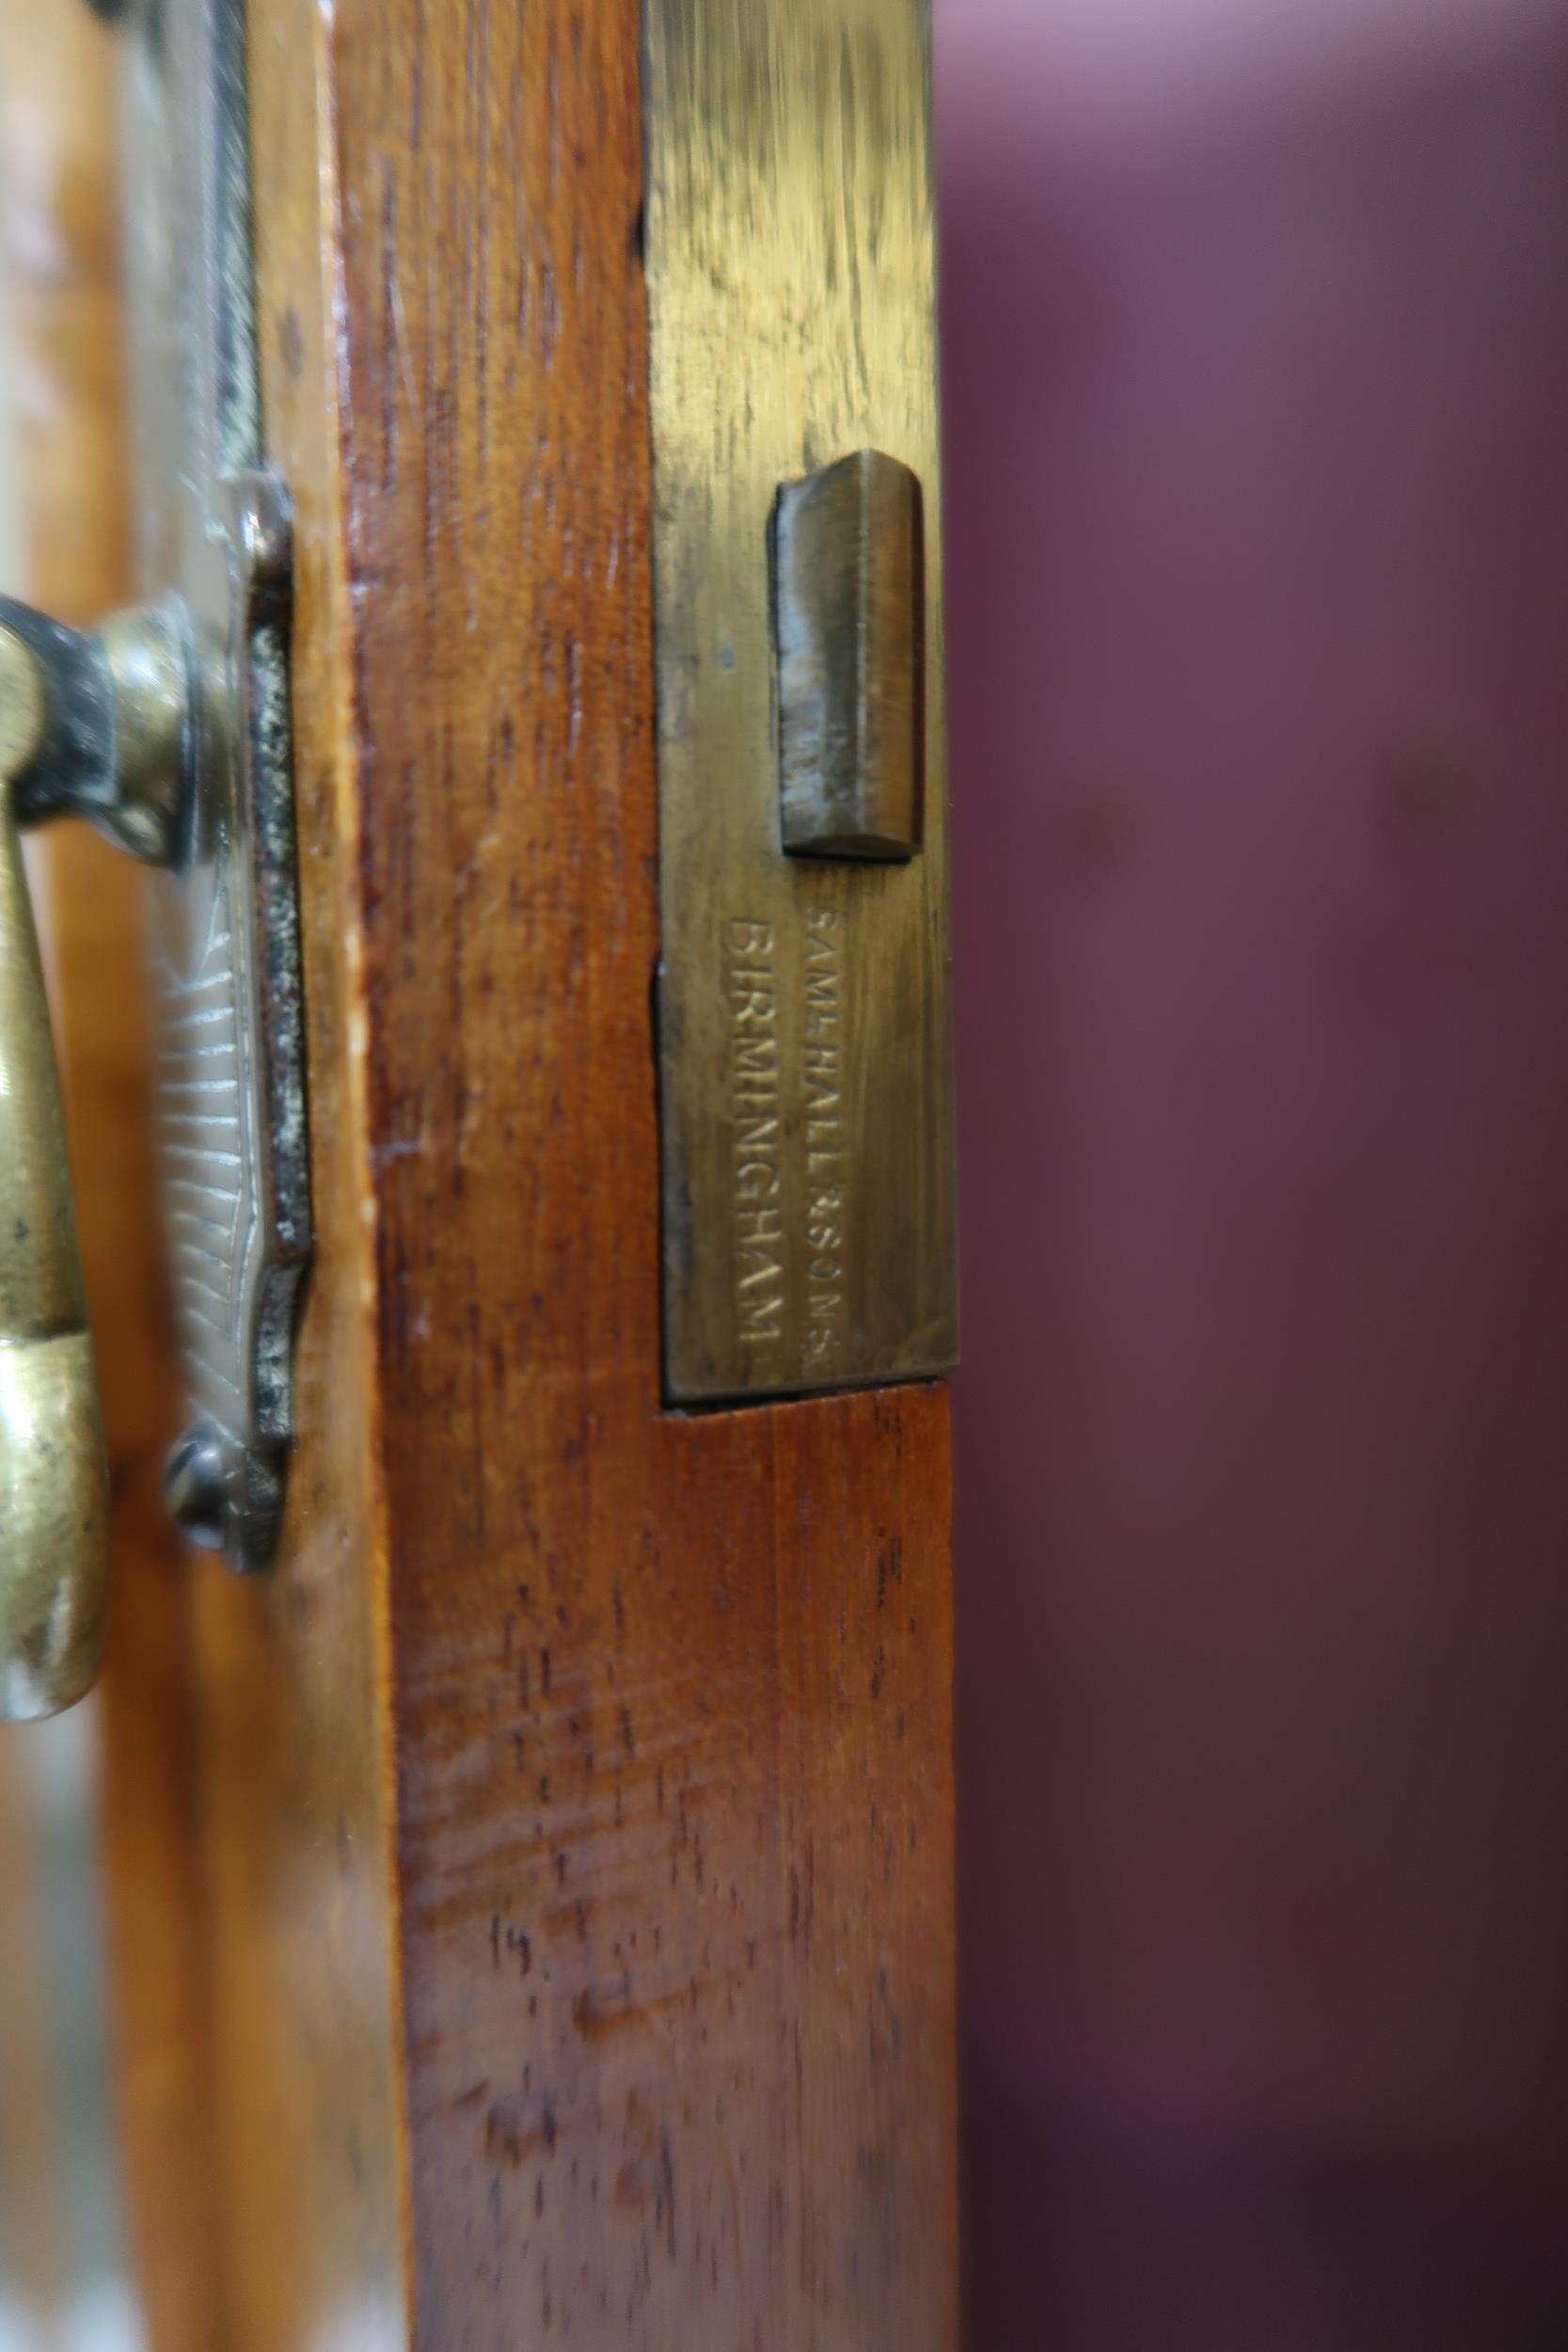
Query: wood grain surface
(571, 1809)
(302, 1920)
(670, 1695)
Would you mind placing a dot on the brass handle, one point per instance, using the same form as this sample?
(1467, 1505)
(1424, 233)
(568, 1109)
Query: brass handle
(53, 1471)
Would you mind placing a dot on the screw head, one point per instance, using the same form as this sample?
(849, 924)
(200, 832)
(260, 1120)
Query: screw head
(196, 1487)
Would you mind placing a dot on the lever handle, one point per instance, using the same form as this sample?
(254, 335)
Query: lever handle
(54, 1471)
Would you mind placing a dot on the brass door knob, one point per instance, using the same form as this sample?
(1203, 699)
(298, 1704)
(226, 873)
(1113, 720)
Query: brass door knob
(93, 725)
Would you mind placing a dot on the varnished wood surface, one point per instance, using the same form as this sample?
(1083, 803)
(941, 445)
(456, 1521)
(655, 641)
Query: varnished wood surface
(670, 1695)
(59, 198)
(293, 1769)
(571, 1810)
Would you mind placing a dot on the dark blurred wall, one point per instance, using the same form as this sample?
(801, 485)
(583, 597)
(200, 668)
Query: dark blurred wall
(1256, 321)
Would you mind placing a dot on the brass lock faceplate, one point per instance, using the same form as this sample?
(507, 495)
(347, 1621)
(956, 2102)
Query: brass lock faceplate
(805, 1042)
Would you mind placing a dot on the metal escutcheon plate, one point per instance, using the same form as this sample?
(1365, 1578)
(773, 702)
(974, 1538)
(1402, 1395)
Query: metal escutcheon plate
(215, 534)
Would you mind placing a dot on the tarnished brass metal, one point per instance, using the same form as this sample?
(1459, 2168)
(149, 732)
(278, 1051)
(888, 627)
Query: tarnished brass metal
(54, 1476)
(149, 670)
(805, 1050)
(848, 617)
(111, 715)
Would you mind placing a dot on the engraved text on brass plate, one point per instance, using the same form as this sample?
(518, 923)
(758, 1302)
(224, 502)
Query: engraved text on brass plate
(805, 1042)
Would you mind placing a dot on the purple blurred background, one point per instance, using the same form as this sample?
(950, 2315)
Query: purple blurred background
(1256, 316)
